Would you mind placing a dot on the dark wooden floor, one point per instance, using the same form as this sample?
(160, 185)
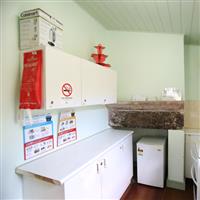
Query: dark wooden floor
(143, 192)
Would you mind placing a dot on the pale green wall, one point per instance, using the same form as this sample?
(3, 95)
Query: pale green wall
(192, 72)
(81, 33)
(146, 62)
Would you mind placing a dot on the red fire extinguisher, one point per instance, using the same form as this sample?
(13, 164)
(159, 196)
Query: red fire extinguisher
(31, 84)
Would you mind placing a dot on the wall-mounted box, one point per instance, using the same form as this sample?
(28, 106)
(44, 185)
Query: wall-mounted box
(39, 28)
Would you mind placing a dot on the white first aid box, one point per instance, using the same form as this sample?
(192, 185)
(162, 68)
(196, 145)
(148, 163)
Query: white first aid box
(39, 28)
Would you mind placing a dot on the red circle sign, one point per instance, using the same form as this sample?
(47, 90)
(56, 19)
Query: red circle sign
(67, 89)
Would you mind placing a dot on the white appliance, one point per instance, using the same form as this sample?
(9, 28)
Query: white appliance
(195, 169)
(39, 28)
(190, 139)
(151, 161)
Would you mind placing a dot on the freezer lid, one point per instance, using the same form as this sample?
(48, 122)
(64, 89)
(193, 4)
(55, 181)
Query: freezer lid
(152, 141)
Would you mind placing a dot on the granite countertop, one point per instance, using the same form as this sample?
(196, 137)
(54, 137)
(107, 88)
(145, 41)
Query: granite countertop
(147, 114)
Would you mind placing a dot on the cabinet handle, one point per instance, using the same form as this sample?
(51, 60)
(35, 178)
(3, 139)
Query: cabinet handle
(97, 168)
(122, 147)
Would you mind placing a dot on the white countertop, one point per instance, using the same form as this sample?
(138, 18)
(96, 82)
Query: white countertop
(60, 165)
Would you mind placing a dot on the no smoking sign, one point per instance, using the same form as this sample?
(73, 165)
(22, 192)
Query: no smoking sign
(67, 89)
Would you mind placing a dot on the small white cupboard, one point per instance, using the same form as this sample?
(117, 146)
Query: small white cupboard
(61, 72)
(70, 81)
(100, 167)
(99, 84)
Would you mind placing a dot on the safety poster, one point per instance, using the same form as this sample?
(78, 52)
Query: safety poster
(66, 128)
(38, 137)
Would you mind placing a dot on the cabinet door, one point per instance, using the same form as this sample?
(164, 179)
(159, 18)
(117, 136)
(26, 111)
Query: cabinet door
(109, 85)
(126, 163)
(62, 79)
(92, 83)
(84, 185)
(118, 170)
(98, 84)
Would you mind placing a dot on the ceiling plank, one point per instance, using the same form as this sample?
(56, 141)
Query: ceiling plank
(163, 10)
(187, 10)
(132, 18)
(142, 16)
(169, 16)
(195, 24)
(155, 15)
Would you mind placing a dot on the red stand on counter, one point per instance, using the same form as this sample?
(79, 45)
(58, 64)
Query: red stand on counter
(100, 57)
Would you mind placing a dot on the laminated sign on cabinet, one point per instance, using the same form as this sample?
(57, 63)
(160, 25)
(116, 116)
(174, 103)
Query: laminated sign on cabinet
(66, 128)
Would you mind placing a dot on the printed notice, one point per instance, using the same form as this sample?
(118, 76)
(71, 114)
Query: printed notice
(38, 138)
(67, 128)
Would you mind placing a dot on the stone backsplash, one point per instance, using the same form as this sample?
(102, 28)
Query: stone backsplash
(147, 114)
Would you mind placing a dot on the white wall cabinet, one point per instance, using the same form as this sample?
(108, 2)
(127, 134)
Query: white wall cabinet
(62, 73)
(104, 177)
(99, 84)
(70, 81)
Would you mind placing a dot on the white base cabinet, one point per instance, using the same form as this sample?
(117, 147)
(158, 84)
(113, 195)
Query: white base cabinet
(106, 176)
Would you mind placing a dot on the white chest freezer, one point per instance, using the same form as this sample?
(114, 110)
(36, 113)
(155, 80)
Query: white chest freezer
(151, 161)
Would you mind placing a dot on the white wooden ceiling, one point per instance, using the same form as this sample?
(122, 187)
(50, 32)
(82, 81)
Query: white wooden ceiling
(162, 16)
